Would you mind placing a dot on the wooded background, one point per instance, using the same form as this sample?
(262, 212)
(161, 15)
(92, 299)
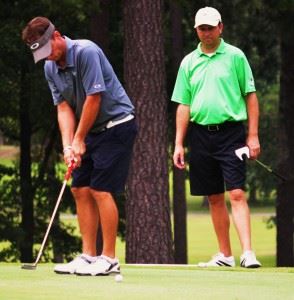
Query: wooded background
(145, 42)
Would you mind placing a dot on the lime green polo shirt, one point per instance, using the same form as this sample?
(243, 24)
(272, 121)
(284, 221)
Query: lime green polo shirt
(214, 86)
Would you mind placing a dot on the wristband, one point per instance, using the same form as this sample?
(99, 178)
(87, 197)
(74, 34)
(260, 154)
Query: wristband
(67, 148)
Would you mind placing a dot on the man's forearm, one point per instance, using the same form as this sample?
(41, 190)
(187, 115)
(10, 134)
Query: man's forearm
(89, 114)
(253, 114)
(67, 123)
(182, 123)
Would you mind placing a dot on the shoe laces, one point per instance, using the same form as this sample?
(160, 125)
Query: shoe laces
(80, 258)
(218, 255)
(249, 254)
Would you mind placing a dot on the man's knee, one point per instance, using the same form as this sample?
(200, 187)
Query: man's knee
(101, 195)
(237, 195)
(79, 192)
(216, 199)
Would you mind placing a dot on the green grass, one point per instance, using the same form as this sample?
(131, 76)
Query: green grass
(147, 283)
(8, 154)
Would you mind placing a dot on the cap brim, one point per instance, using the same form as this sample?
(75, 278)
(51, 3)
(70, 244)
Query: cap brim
(41, 47)
(205, 22)
(42, 52)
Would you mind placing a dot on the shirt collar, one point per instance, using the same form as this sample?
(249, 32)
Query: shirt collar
(69, 54)
(220, 48)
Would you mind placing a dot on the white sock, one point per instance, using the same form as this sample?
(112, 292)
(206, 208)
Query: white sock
(111, 260)
(247, 252)
(90, 258)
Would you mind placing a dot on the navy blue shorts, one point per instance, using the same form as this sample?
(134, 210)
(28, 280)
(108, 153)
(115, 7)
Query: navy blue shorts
(214, 165)
(106, 161)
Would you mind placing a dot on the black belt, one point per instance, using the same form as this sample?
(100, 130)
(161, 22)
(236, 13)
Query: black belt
(218, 127)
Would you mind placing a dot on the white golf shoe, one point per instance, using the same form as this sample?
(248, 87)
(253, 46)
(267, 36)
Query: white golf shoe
(103, 266)
(248, 260)
(72, 267)
(218, 260)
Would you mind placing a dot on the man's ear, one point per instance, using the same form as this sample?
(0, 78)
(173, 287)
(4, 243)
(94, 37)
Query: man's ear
(221, 27)
(56, 34)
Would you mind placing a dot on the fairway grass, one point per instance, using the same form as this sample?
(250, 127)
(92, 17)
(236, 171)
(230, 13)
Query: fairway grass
(147, 283)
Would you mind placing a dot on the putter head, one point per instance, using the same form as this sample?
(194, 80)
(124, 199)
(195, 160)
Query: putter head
(241, 152)
(29, 267)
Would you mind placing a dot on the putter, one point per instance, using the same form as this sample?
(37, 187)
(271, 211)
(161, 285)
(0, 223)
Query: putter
(66, 178)
(243, 153)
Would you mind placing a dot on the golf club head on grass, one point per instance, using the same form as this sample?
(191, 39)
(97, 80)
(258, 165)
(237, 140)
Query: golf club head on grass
(29, 266)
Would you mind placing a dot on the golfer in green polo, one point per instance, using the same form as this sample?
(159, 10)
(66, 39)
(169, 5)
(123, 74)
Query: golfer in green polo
(216, 94)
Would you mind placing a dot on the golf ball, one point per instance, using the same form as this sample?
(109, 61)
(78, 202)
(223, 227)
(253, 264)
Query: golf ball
(118, 278)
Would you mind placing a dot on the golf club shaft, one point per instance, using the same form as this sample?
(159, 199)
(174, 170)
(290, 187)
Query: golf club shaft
(269, 169)
(243, 153)
(264, 166)
(51, 222)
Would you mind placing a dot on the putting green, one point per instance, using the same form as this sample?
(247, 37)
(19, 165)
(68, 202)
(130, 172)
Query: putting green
(148, 283)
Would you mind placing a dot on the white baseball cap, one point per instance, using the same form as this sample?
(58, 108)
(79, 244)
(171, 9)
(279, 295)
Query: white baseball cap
(208, 16)
(41, 48)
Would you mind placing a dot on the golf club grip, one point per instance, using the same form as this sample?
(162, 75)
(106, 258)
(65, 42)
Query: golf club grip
(69, 171)
(244, 156)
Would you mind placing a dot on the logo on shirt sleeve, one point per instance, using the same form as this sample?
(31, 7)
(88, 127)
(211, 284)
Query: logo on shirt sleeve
(97, 86)
(251, 82)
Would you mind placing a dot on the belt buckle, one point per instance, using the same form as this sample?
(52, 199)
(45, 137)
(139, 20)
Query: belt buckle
(213, 128)
(109, 124)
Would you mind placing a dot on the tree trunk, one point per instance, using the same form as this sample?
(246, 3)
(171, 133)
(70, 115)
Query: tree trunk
(252, 199)
(148, 230)
(27, 213)
(285, 192)
(179, 189)
(180, 216)
(99, 33)
(99, 25)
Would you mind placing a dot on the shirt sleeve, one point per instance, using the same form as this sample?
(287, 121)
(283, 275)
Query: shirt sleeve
(245, 76)
(182, 91)
(91, 70)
